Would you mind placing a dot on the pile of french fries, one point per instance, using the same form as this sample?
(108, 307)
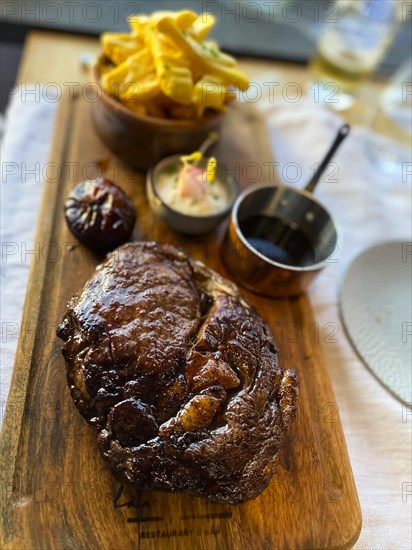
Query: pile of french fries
(166, 68)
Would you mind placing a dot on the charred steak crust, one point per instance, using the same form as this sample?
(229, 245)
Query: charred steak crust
(179, 375)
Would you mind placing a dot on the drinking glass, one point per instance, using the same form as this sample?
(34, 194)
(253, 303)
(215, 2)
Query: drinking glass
(389, 146)
(351, 46)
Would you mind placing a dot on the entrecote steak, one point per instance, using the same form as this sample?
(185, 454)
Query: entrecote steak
(179, 375)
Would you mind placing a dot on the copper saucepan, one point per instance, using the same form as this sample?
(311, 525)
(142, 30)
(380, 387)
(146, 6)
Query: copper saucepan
(280, 237)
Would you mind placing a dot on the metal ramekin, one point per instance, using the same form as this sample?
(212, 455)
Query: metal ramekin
(261, 274)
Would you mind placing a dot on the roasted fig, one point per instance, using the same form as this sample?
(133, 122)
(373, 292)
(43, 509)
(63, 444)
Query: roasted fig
(100, 214)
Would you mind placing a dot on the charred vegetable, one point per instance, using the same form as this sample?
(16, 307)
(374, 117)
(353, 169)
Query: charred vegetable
(100, 214)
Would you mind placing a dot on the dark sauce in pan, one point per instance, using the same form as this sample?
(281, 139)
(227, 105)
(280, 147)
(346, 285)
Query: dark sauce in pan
(281, 241)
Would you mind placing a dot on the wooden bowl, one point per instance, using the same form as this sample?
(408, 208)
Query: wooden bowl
(142, 141)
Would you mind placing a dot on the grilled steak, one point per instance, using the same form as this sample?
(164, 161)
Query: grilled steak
(179, 375)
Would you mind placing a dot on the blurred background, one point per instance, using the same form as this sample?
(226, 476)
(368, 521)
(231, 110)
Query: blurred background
(282, 30)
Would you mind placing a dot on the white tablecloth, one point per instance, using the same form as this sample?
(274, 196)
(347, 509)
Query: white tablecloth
(24, 150)
(371, 207)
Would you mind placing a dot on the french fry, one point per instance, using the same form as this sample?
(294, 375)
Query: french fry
(185, 19)
(141, 23)
(118, 46)
(209, 93)
(202, 25)
(138, 23)
(212, 53)
(147, 88)
(197, 54)
(133, 70)
(173, 73)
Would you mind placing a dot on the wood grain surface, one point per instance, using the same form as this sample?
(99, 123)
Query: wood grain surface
(57, 492)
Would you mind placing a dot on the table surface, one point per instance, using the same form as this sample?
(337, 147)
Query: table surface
(55, 58)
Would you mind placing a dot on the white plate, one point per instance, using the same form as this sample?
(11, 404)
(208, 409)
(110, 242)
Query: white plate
(376, 310)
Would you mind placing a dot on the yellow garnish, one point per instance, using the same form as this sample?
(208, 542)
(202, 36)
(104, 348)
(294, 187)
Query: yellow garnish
(211, 169)
(196, 156)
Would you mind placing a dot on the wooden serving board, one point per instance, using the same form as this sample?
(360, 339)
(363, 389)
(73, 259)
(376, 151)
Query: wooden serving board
(57, 492)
